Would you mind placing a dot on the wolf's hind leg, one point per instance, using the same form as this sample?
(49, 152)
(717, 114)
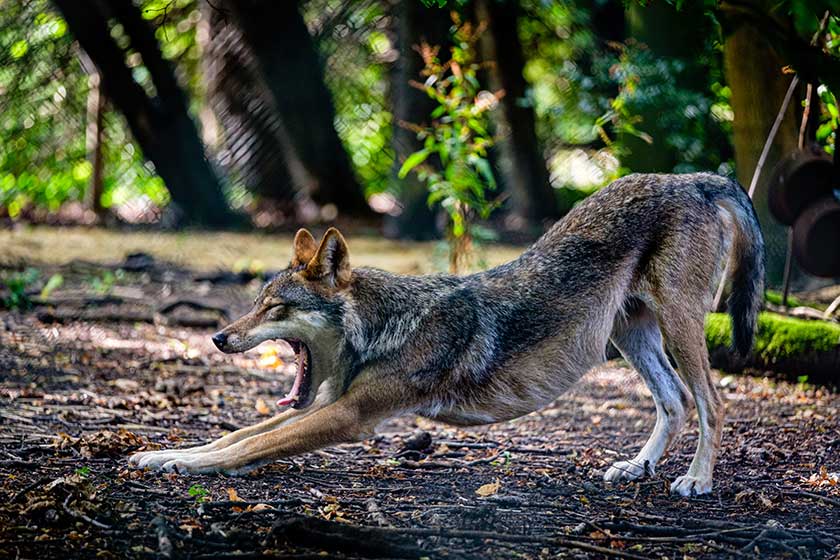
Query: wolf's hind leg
(684, 336)
(638, 339)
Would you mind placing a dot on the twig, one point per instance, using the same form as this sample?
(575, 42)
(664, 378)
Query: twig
(505, 537)
(806, 113)
(29, 488)
(246, 503)
(165, 546)
(376, 512)
(82, 516)
(819, 497)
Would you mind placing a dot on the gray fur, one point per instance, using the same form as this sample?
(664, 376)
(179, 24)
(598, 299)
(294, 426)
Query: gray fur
(636, 262)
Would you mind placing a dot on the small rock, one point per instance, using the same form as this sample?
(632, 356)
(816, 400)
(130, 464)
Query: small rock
(419, 441)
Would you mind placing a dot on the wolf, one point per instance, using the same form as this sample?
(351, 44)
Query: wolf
(635, 264)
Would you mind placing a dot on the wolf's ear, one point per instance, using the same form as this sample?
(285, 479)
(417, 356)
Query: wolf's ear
(331, 263)
(304, 249)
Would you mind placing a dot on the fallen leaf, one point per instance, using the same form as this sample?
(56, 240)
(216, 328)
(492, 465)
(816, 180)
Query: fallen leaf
(269, 359)
(262, 408)
(488, 489)
(233, 496)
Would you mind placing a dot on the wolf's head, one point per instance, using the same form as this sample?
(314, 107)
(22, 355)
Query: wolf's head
(301, 305)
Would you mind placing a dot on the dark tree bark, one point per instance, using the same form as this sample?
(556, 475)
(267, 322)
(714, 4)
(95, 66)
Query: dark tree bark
(277, 35)
(254, 148)
(415, 24)
(161, 125)
(522, 162)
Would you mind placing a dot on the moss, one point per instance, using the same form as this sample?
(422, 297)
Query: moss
(718, 330)
(774, 297)
(777, 337)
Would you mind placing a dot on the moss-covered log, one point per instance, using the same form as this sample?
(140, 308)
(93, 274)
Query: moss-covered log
(794, 347)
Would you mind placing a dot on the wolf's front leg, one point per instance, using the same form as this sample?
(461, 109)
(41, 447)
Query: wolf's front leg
(351, 418)
(156, 459)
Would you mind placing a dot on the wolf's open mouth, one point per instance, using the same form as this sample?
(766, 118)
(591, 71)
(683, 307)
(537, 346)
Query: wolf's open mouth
(299, 395)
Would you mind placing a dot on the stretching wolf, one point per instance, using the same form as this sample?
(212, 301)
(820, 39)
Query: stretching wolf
(635, 263)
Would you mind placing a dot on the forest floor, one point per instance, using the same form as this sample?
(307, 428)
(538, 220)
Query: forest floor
(112, 362)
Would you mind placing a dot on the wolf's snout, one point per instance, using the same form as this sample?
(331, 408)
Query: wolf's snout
(220, 339)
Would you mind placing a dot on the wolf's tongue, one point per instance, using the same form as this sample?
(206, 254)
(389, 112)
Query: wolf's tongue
(292, 395)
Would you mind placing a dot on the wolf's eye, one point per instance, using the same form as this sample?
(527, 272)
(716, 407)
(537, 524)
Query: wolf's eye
(272, 301)
(276, 311)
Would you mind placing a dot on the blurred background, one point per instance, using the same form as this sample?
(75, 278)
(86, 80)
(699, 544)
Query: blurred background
(269, 115)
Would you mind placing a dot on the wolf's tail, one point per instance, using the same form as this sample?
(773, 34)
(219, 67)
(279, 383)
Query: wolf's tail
(746, 267)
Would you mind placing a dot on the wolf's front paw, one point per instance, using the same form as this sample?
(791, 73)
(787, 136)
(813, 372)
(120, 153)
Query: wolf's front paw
(155, 459)
(687, 485)
(207, 463)
(189, 465)
(628, 470)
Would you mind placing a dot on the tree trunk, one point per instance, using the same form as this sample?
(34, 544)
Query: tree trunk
(286, 56)
(416, 24)
(521, 160)
(754, 74)
(162, 126)
(254, 148)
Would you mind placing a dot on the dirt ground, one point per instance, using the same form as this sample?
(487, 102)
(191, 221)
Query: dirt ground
(93, 373)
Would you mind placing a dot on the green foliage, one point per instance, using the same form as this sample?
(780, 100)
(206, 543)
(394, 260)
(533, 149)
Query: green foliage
(566, 96)
(357, 75)
(692, 118)
(199, 492)
(591, 93)
(104, 284)
(83, 472)
(829, 119)
(444, 3)
(17, 285)
(777, 336)
(43, 106)
(458, 139)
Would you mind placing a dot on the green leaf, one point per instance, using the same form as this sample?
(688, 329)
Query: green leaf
(55, 281)
(413, 161)
(483, 167)
(19, 48)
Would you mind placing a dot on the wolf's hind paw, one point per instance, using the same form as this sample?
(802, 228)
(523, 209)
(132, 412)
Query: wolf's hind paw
(628, 470)
(691, 486)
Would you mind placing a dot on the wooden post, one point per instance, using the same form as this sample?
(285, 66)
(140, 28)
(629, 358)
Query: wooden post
(93, 144)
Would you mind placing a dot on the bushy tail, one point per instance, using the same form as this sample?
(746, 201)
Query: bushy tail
(746, 271)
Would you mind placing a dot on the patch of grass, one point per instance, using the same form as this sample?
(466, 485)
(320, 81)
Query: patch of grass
(777, 337)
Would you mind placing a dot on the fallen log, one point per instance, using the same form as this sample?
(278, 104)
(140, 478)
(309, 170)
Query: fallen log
(785, 345)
